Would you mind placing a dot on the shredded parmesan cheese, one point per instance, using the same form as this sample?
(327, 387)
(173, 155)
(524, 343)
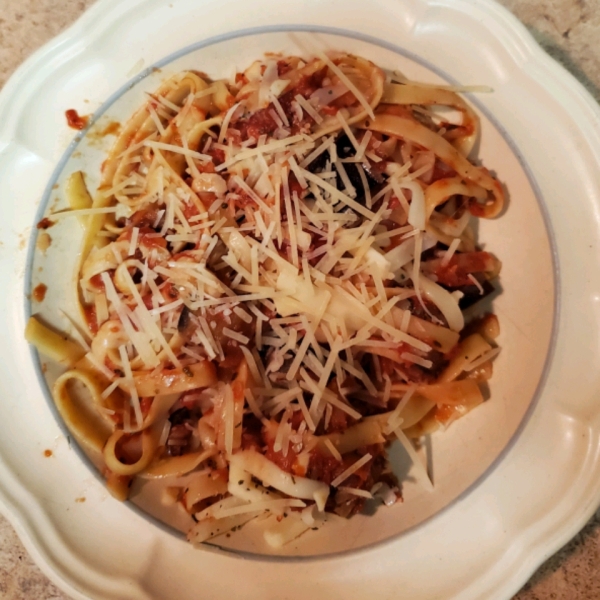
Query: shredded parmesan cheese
(334, 451)
(351, 469)
(450, 252)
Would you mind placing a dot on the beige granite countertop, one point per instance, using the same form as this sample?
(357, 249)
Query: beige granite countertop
(569, 30)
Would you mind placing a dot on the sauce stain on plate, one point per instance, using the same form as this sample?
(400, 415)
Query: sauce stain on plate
(74, 120)
(39, 292)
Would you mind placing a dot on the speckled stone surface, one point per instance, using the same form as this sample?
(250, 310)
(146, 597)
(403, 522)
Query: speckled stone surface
(569, 30)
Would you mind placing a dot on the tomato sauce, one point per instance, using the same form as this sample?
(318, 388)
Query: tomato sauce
(326, 469)
(112, 128)
(446, 413)
(45, 223)
(149, 241)
(294, 186)
(145, 217)
(456, 272)
(218, 156)
(260, 123)
(90, 318)
(338, 421)
(169, 290)
(96, 281)
(75, 121)
(286, 463)
(39, 292)
(145, 405)
(283, 67)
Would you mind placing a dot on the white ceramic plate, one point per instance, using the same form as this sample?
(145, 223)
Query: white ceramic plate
(457, 457)
(545, 485)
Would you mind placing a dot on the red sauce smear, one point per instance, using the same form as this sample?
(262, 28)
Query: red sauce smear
(47, 453)
(39, 292)
(45, 223)
(97, 282)
(456, 272)
(74, 120)
(111, 129)
(91, 319)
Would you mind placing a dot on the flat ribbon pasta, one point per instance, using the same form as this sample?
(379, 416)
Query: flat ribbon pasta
(175, 381)
(463, 137)
(86, 424)
(364, 77)
(53, 345)
(176, 466)
(411, 130)
(150, 431)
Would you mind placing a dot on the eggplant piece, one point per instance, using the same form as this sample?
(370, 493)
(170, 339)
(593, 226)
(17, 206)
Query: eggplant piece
(180, 416)
(345, 149)
(184, 321)
(472, 294)
(318, 165)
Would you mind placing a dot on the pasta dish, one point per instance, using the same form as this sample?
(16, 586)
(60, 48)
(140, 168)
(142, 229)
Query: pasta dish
(273, 283)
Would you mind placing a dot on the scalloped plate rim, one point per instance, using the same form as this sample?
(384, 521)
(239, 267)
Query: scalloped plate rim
(239, 33)
(556, 71)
